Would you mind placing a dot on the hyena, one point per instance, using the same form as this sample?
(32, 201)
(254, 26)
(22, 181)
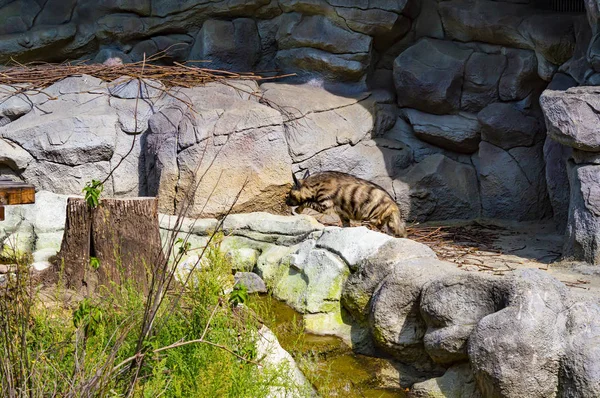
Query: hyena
(351, 198)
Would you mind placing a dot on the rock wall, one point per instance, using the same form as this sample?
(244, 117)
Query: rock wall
(436, 101)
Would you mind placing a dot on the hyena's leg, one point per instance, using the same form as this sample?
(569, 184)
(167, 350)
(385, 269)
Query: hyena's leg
(345, 221)
(322, 207)
(299, 209)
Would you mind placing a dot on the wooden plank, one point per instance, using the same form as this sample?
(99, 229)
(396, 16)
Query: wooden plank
(16, 193)
(1, 213)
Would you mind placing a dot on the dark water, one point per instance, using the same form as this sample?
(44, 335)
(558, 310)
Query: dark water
(327, 361)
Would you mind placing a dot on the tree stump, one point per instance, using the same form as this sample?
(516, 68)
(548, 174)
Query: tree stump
(123, 234)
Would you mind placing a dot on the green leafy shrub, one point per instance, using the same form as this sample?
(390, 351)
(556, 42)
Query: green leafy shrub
(199, 346)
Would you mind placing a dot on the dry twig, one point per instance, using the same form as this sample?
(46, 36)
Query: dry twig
(39, 76)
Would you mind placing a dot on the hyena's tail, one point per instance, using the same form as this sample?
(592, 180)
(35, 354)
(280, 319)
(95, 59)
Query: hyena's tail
(396, 224)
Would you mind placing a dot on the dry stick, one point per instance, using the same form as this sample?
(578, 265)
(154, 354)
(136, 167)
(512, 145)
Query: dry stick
(180, 218)
(156, 286)
(140, 356)
(210, 320)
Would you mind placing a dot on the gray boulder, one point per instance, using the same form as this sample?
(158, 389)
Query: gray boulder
(171, 48)
(266, 223)
(13, 155)
(428, 76)
(361, 285)
(459, 133)
(160, 151)
(395, 318)
(316, 119)
(303, 49)
(13, 105)
(520, 77)
(66, 138)
(233, 45)
(352, 244)
(18, 17)
(356, 245)
(252, 282)
(507, 127)
(556, 157)
(64, 179)
(403, 133)
(276, 358)
(56, 12)
(580, 367)
(36, 228)
(128, 178)
(583, 228)
(41, 42)
(452, 306)
(482, 75)
(310, 280)
(572, 118)
(441, 189)
(311, 31)
(551, 37)
(375, 22)
(486, 21)
(561, 82)
(323, 64)
(457, 382)
(512, 182)
(517, 351)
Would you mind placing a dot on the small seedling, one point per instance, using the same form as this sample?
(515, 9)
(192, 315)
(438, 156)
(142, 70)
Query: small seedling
(94, 263)
(92, 193)
(87, 316)
(183, 248)
(239, 295)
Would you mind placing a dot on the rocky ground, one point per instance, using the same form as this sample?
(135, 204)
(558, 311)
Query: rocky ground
(499, 247)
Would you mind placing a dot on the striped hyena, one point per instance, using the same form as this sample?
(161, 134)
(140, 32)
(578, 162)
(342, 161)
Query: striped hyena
(351, 198)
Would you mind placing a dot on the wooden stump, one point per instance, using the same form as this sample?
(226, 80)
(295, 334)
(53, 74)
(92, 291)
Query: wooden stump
(122, 234)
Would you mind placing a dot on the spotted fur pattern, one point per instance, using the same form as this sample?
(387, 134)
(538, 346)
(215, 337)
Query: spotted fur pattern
(351, 198)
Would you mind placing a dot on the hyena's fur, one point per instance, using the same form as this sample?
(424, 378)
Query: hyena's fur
(351, 198)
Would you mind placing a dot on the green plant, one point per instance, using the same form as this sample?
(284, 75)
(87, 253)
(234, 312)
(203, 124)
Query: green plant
(184, 248)
(94, 263)
(92, 191)
(88, 316)
(239, 295)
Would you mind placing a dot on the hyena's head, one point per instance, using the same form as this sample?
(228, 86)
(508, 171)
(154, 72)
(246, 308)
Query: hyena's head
(296, 197)
(395, 224)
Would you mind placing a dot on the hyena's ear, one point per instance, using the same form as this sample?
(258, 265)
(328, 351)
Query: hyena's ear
(296, 182)
(306, 175)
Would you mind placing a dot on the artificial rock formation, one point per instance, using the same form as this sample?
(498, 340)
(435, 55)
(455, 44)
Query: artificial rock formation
(452, 130)
(573, 124)
(466, 334)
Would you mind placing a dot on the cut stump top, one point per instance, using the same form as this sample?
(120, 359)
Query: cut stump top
(15, 193)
